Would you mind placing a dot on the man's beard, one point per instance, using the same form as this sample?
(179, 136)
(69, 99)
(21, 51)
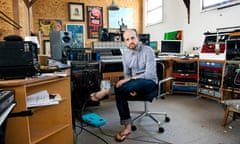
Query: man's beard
(132, 46)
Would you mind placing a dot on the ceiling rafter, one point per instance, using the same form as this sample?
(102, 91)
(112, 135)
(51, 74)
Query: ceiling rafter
(29, 3)
(187, 4)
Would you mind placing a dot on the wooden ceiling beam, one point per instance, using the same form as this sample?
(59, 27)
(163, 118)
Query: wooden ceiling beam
(187, 4)
(29, 3)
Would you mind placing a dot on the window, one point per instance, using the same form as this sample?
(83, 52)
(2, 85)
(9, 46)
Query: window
(154, 12)
(217, 4)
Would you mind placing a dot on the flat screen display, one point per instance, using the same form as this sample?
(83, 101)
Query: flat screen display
(154, 45)
(171, 46)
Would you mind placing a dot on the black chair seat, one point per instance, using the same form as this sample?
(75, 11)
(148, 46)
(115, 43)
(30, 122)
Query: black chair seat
(147, 97)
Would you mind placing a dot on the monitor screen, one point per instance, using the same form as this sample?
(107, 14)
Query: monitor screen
(171, 46)
(154, 45)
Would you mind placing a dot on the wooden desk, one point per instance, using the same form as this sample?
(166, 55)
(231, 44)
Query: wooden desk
(115, 76)
(48, 124)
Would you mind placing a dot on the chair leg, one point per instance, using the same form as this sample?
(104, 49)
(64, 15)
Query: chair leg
(140, 116)
(167, 119)
(225, 116)
(146, 112)
(234, 115)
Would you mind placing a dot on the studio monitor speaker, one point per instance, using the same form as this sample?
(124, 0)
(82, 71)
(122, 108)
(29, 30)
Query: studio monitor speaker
(145, 39)
(60, 42)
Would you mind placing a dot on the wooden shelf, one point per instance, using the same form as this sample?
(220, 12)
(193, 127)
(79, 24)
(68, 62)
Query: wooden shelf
(48, 124)
(44, 133)
(184, 92)
(210, 97)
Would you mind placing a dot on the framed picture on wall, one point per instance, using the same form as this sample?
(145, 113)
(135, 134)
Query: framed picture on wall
(77, 35)
(122, 17)
(94, 21)
(76, 11)
(49, 25)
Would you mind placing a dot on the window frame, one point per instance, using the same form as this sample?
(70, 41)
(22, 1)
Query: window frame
(147, 11)
(218, 5)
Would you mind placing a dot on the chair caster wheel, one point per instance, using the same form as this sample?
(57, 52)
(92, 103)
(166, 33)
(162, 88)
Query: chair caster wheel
(134, 128)
(160, 130)
(167, 119)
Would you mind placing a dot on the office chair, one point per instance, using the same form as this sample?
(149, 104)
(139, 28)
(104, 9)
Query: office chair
(160, 93)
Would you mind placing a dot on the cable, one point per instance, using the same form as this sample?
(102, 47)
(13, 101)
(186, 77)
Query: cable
(236, 79)
(80, 124)
(93, 134)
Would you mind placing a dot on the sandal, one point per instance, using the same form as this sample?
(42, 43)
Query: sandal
(93, 97)
(120, 137)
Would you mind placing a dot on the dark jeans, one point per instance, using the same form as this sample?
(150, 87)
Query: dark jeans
(144, 89)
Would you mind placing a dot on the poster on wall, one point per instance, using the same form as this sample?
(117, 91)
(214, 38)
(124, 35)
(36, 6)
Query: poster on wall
(49, 25)
(94, 21)
(77, 35)
(123, 16)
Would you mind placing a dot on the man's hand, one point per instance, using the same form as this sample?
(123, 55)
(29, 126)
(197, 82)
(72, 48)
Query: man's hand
(133, 93)
(121, 82)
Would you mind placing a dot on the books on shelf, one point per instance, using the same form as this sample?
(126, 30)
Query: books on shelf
(42, 98)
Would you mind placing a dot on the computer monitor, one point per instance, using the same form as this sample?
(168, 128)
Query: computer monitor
(171, 47)
(154, 45)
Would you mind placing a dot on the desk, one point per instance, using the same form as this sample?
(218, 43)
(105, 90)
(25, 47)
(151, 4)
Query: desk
(48, 124)
(114, 75)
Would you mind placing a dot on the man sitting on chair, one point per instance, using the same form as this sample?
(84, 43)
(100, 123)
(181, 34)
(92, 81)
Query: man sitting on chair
(140, 78)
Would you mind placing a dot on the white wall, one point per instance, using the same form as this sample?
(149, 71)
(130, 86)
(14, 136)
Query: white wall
(175, 18)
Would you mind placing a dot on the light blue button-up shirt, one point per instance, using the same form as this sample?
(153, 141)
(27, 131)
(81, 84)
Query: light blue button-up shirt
(140, 62)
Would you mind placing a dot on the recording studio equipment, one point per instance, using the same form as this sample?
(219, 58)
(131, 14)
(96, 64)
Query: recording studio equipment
(60, 43)
(85, 79)
(185, 74)
(210, 78)
(144, 38)
(18, 59)
(80, 54)
(233, 49)
(7, 103)
(7, 97)
(232, 76)
(110, 55)
(103, 34)
(115, 36)
(214, 42)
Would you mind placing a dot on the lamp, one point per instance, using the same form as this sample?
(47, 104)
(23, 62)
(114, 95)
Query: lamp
(113, 6)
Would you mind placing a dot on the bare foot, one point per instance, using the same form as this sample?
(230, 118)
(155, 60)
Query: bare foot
(122, 135)
(97, 96)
